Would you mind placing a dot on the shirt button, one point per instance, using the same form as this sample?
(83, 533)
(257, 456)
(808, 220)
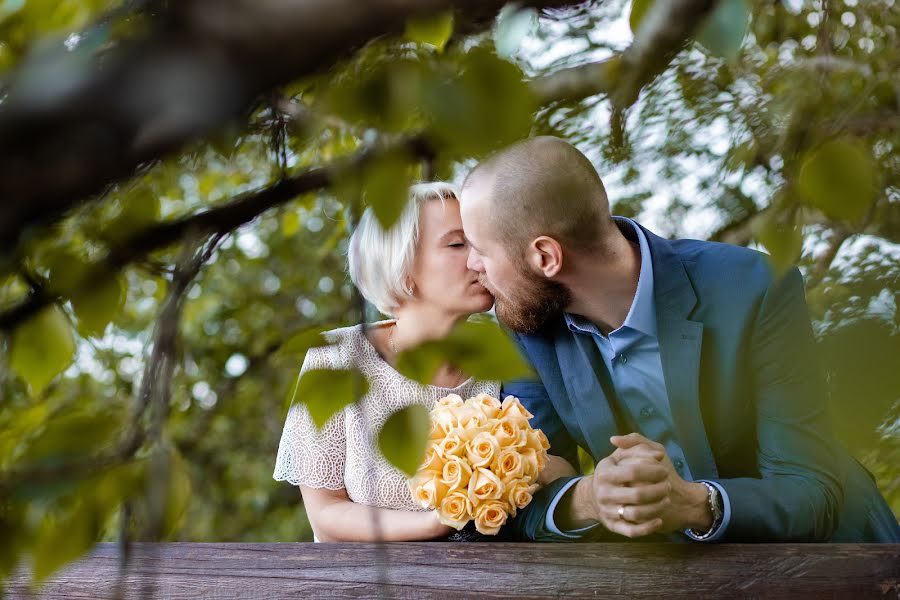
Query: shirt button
(646, 412)
(679, 464)
(623, 359)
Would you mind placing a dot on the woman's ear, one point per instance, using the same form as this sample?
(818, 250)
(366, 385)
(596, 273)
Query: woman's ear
(545, 256)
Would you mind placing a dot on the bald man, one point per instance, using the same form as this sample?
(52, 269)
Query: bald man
(686, 369)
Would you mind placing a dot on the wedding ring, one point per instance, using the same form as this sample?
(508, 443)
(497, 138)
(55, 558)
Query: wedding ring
(621, 512)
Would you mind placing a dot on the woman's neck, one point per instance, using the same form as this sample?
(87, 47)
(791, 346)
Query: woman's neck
(416, 324)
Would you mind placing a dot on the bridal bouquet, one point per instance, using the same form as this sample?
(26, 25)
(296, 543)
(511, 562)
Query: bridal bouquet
(481, 462)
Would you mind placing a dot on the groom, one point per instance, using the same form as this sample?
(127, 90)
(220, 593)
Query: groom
(686, 369)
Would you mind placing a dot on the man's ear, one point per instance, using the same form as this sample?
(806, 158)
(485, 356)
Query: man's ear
(545, 256)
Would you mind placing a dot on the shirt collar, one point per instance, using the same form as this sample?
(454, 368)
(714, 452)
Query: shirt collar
(642, 314)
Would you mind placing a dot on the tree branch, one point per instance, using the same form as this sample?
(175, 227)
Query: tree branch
(664, 30)
(568, 84)
(64, 139)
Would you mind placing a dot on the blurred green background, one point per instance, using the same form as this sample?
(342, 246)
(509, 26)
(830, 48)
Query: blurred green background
(777, 128)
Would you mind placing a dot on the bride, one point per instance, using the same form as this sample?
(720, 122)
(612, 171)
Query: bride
(416, 273)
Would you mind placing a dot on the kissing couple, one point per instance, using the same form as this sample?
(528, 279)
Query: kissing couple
(685, 369)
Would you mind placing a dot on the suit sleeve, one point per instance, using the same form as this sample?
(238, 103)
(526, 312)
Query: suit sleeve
(798, 494)
(530, 522)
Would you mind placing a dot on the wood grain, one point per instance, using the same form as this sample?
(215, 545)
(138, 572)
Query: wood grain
(442, 570)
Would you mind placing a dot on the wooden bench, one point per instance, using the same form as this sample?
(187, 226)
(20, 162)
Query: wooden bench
(476, 570)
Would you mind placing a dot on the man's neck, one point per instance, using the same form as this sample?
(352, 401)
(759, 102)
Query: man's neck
(603, 290)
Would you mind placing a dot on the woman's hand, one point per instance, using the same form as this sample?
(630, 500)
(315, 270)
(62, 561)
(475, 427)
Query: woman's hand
(555, 468)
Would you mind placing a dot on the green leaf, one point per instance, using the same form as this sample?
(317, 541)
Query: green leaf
(290, 224)
(724, 29)
(481, 349)
(140, 208)
(327, 391)
(387, 96)
(838, 178)
(63, 539)
(179, 494)
(13, 522)
(434, 30)
(66, 270)
(97, 305)
(73, 528)
(488, 106)
(72, 435)
(863, 384)
(386, 187)
(513, 23)
(299, 342)
(783, 240)
(403, 437)
(42, 348)
(9, 8)
(638, 11)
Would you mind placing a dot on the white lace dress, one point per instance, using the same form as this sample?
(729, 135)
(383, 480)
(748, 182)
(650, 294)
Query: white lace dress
(344, 453)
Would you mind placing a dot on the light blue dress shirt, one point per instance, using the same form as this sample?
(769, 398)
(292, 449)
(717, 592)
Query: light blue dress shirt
(631, 355)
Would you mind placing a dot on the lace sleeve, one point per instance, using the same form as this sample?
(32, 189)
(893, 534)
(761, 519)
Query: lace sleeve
(306, 455)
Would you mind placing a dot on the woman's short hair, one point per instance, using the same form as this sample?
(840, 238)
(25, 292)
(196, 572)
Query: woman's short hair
(380, 261)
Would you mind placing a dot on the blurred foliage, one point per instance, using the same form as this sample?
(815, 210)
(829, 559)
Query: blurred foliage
(779, 128)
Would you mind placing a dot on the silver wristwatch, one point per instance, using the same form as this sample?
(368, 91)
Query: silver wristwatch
(715, 505)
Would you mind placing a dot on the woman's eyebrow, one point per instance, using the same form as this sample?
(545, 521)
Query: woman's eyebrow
(452, 233)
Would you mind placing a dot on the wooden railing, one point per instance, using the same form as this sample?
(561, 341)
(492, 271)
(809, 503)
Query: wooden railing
(475, 570)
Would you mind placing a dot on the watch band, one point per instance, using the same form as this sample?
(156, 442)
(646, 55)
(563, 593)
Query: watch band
(714, 499)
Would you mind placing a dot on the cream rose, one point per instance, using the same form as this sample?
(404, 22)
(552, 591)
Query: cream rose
(452, 445)
(488, 405)
(433, 460)
(490, 517)
(482, 449)
(531, 464)
(446, 418)
(519, 495)
(466, 435)
(508, 433)
(456, 473)
(483, 486)
(427, 489)
(471, 417)
(513, 409)
(450, 401)
(438, 430)
(508, 465)
(455, 510)
(535, 438)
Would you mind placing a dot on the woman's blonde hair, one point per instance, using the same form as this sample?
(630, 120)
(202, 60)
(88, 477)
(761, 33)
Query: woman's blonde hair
(379, 261)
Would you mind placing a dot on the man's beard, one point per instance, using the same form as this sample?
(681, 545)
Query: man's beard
(532, 303)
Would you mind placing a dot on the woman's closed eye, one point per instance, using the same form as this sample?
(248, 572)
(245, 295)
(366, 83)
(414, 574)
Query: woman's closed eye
(457, 245)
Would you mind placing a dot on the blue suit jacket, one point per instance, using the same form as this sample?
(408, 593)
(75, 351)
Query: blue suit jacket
(746, 392)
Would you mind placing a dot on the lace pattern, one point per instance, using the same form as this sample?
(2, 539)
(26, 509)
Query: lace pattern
(344, 453)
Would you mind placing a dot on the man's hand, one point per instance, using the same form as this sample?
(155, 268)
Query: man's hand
(634, 478)
(685, 504)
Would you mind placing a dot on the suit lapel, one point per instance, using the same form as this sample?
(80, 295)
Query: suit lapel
(680, 341)
(582, 375)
